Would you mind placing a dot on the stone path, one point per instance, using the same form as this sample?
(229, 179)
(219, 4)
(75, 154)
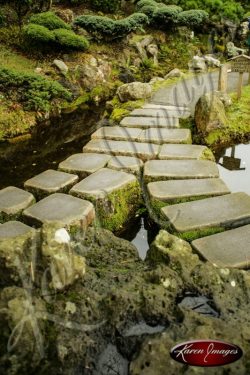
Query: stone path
(149, 153)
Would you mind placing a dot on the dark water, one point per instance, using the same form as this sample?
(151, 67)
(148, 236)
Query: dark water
(237, 159)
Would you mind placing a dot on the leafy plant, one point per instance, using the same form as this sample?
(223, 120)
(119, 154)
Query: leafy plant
(33, 91)
(49, 20)
(108, 6)
(68, 39)
(38, 34)
(192, 18)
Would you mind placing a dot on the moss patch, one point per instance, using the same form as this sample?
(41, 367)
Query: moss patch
(238, 122)
(195, 234)
(121, 110)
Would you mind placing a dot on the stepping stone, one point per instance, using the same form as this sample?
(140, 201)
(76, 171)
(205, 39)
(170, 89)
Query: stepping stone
(200, 218)
(116, 196)
(117, 133)
(161, 135)
(174, 191)
(171, 108)
(84, 164)
(230, 249)
(185, 152)
(150, 122)
(155, 170)
(144, 151)
(12, 203)
(62, 209)
(158, 113)
(49, 182)
(15, 251)
(128, 164)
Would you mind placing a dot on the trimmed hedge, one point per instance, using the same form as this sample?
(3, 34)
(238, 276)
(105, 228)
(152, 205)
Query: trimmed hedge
(68, 39)
(49, 20)
(38, 34)
(108, 6)
(34, 91)
(159, 13)
(192, 17)
(112, 29)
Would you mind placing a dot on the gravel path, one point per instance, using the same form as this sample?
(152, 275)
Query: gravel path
(187, 92)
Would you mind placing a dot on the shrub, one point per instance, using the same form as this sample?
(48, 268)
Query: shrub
(192, 18)
(49, 20)
(109, 28)
(159, 13)
(108, 6)
(38, 34)
(68, 39)
(34, 91)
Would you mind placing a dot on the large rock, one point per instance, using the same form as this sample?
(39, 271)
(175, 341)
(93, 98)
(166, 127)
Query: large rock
(93, 72)
(210, 113)
(134, 91)
(198, 64)
(61, 66)
(174, 73)
(212, 61)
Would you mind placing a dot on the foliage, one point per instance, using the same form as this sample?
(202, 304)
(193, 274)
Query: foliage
(108, 6)
(159, 13)
(33, 91)
(38, 34)
(112, 29)
(49, 20)
(68, 39)
(192, 18)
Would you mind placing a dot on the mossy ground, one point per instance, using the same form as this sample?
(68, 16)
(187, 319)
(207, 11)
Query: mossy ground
(195, 234)
(121, 110)
(238, 128)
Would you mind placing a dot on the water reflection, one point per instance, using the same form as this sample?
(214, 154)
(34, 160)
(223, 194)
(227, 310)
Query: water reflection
(234, 166)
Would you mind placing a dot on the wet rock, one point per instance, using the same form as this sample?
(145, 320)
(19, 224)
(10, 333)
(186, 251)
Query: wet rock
(134, 91)
(61, 66)
(210, 113)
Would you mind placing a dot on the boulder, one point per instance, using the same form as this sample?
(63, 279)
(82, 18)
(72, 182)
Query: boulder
(224, 97)
(153, 51)
(212, 61)
(61, 66)
(156, 79)
(93, 73)
(198, 64)
(233, 51)
(134, 91)
(210, 113)
(174, 73)
(67, 15)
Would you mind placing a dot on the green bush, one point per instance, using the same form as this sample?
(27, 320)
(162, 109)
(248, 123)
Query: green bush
(192, 18)
(33, 91)
(68, 39)
(159, 13)
(49, 20)
(108, 6)
(108, 28)
(38, 34)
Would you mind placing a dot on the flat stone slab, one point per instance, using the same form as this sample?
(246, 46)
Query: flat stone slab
(150, 122)
(13, 201)
(63, 209)
(230, 249)
(128, 164)
(171, 108)
(144, 151)
(159, 112)
(174, 190)
(14, 229)
(173, 151)
(161, 135)
(227, 211)
(49, 182)
(179, 169)
(84, 164)
(117, 133)
(101, 183)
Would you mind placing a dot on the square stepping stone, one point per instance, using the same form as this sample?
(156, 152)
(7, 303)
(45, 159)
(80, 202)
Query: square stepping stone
(128, 164)
(150, 122)
(117, 133)
(230, 249)
(156, 170)
(115, 194)
(84, 164)
(61, 209)
(172, 108)
(50, 182)
(159, 112)
(183, 152)
(208, 216)
(12, 203)
(175, 191)
(144, 151)
(161, 135)
(15, 251)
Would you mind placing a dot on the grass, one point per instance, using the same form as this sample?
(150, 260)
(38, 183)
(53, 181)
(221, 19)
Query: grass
(13, 60)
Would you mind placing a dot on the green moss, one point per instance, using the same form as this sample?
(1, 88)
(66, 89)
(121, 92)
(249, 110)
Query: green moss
(121, 110)
(207, 154)
(193, 235)
(238, 122)
(118, 207)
